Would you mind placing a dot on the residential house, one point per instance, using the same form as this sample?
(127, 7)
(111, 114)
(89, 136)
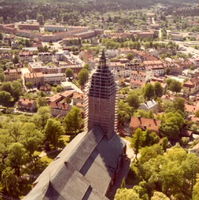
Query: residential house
(12, 74)
(27, 105)
(60, 103)
(145, 124)
(45, 57)
(35, 79)
(26, 56)
(157, 67)
(139, 78)
(191, 86)
(78, 100)
(54, 78)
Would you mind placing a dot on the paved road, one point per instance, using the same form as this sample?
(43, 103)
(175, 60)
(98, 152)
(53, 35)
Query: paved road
(129, 151)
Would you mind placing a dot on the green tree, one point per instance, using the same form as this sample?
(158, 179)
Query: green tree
(41, 102)
(43, 114)
(130, 56)
(137, 140)
(14, 130)
(196, 190)
(2, 77)
(10, 182)
(143, 138)
(171, 125)
(73, 121)
(159, 196)
(86, 66)
(7, 86)
(53, 130)
(124, 113)
(126, 194)
(133, 100)
(150, 152)
(5, 98)
(174, 86)
(17, 89)
(83, 77)
(149, 92)
(170, 172)
(179, 104)
(69, 73)
(16, 157)
(144, 113)
(158, 89)
(31, 138)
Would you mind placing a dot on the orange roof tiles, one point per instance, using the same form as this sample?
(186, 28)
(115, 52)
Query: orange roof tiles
(146, 123)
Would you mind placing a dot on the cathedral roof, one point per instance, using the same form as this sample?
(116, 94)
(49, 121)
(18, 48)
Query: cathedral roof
(83, 170)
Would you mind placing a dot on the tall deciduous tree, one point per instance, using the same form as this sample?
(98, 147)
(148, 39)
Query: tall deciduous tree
(69, 73)
(179, 104)
(83, 77)
(171, 125)
(31, 137)
(174, 86)
(133, 100)
(158, 89)
(53, 130)
(73, 121)
(10, 182)
(149, 92)
(17, 157)
(5, 98)
(124, 112)
(43, 114)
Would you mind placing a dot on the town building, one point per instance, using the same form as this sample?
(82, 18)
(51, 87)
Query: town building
(54, 79)
(191, 86)
(93, 165)
(34, 79)
(27, 105)
(12, 74)
(45, 57)
(54, 28)
(157, 67)
(140, 78)
(145, 124)
(26, 56)
(30, 27)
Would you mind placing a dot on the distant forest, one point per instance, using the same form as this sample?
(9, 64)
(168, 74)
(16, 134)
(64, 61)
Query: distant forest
(17, 10)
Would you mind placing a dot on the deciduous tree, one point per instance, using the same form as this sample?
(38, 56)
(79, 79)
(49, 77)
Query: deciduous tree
(53, 130)
(73, 121)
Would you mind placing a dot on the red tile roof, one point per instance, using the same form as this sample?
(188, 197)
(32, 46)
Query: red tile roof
(145, 123)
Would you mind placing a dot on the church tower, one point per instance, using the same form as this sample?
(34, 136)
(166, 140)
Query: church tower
(101, 99)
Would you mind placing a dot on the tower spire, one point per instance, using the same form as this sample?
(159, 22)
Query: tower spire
(102, 60)
(101, 99)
